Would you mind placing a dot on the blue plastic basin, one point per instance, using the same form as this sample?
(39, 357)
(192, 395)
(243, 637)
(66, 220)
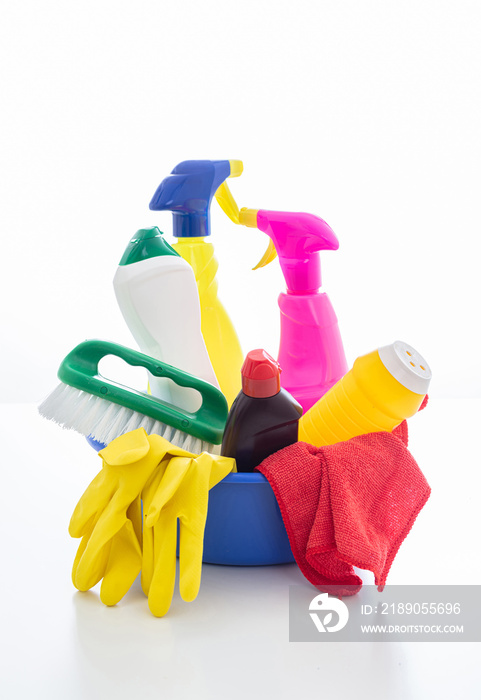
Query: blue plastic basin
(244, 524)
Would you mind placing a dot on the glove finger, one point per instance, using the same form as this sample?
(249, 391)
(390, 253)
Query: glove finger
(94, 560)
(174, 474)
(134, 514)
(191, 547)
(192, 527)
(163, 581)
(152, 485)
(86, 577)
(94, 500)
(148, 561)
(206, 472)
(123, 565)
(81, 549)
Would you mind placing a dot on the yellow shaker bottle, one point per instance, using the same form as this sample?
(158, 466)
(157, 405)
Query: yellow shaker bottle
(382, 389)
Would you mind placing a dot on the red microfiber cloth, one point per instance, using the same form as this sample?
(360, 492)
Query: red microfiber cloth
(348, 504)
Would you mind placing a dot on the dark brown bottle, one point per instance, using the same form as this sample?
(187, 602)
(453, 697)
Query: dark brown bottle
(263, 418)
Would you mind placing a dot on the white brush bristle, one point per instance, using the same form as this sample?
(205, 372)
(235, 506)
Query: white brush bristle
(104, 421)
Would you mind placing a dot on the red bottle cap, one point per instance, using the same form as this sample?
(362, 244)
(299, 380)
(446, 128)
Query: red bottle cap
(261, 375)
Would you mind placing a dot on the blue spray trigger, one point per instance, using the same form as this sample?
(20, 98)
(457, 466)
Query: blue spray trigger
(187, 192)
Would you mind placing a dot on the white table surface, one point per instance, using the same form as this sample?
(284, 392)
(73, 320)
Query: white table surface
(232, 641)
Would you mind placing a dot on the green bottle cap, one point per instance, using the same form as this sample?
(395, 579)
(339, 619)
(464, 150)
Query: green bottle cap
(146, 243)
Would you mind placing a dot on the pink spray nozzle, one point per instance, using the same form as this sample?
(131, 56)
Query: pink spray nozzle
(298, 238)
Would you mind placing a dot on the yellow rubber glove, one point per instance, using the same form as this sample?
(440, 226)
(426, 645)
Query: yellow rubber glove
(108, 516)
(117, 562)
(179, 490)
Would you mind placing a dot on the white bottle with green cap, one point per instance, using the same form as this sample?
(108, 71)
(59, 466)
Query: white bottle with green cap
(158, 297)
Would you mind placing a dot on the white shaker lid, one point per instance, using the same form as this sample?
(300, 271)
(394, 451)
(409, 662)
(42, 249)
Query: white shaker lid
(407, 366)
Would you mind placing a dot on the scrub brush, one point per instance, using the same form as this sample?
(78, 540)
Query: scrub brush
(97, 407)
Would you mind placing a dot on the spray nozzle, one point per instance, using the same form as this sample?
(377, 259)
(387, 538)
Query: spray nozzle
(297, 239)
(187, 192)
(245, 217)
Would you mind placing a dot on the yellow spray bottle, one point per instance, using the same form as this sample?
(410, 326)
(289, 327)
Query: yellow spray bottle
(382, 389)
(187, 192)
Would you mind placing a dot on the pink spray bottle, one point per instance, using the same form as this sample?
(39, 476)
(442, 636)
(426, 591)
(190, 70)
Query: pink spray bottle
(311, 353)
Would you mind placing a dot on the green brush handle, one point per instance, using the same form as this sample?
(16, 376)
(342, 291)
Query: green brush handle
(80, 369)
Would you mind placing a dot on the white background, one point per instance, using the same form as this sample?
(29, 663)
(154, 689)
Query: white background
(363, 112)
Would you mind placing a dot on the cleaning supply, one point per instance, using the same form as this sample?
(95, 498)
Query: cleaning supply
(382, 388)
(107, 517)
(345, 505)
(157, 295)
(244, 525)
(263, 418)
(310, 351)
(98, 407)
(187, 193)
(176, 502)
(110, 547)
